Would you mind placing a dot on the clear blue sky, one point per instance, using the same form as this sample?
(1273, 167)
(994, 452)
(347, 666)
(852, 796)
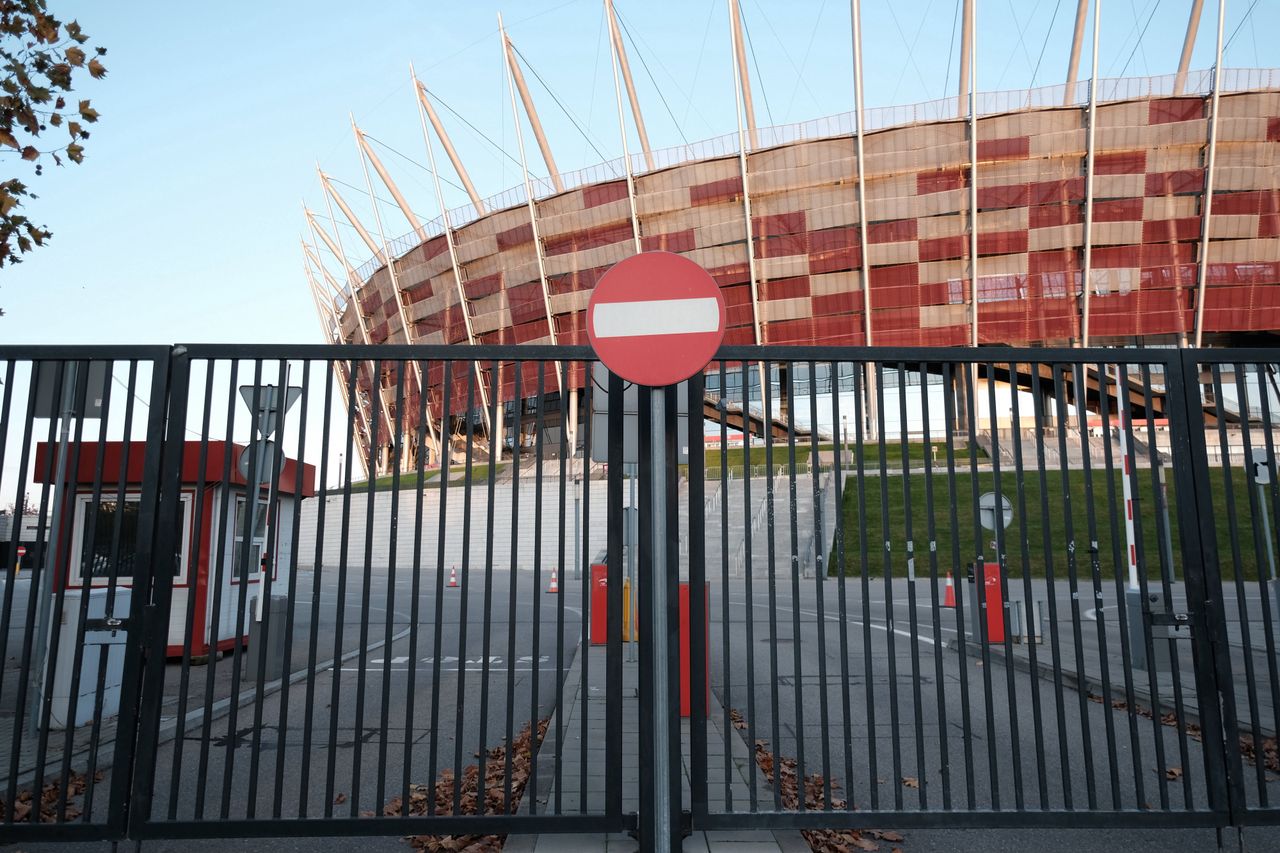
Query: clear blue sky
(183, 222)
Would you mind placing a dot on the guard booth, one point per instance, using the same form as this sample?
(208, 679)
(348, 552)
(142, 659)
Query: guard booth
(212, 515)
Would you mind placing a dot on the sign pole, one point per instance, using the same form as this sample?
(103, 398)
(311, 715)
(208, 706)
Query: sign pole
(656, 319)
(657, 579)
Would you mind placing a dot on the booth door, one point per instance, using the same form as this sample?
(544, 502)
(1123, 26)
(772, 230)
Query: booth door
(233, 593)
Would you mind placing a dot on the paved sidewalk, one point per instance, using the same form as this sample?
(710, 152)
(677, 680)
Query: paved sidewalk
(567, 723)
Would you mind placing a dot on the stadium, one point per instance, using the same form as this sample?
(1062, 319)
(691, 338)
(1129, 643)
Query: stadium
(1098, 212)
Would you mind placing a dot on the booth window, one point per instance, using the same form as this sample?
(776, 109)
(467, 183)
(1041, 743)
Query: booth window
(259, 537)
(102, 554)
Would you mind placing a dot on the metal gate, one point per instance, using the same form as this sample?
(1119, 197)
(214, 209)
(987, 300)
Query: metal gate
(952, 596)
(937, 587)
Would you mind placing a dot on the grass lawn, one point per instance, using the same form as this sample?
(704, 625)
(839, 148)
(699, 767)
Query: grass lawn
(1037, 538)
(409, 479)
(734, 457)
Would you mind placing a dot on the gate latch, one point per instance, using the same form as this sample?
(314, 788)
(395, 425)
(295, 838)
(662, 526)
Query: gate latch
(113, 624)
(1171, 626)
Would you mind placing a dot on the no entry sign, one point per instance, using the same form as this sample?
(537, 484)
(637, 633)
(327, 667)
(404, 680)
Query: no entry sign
(656, 318)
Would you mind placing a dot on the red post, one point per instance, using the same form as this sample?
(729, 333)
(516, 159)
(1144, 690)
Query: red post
(599, 604)
(995, 602)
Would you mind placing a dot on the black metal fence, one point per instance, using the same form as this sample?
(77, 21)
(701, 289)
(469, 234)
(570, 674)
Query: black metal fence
(938, 587)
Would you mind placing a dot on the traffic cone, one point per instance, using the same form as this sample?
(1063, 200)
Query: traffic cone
(553, 586)
(950, 599)
(453, 576)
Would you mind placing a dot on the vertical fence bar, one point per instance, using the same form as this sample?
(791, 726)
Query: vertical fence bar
(1002, 575)
(913, 618)
(486, 645)
(1095, 574)
(966, 717)
(1196, 528)
(517, 369)
(1119, 562)
(749, 565)
(614, 751)
(154, 571)
(437, 640)
(841, 567)
(819, 577)
(699, 676)
(464, 612)
(1050, 585)
(935, 613)
(313, 634)
(1073, 585)
(1028, 591)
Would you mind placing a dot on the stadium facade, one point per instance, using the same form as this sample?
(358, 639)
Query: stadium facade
(1131, 211)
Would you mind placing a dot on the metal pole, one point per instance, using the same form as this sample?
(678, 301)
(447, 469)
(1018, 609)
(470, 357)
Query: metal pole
(740, 70)
(972, 83)
(966, 40)
(1207, 206)
(1266, 528)
(865, 265)
(622, 131)
(515, 82)
(739, 94)
(405, 325)
(1087, 274)
(632, 545)
(1073, 64)
(658, 625)
(49, 576)
(620, 55)
(424, 103)
(457, 274)
(577, 534)
(517, 79)
(1189, 42)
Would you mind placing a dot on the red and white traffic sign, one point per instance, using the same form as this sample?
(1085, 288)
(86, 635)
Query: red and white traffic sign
(22, 551)
(656, 318)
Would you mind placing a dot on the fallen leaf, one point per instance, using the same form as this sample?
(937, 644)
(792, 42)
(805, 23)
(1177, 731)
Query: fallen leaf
(911, 781)
(340, 799)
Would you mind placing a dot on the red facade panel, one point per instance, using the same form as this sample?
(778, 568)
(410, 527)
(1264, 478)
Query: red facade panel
(1120, 162)
(716, 191)
(598, 194)
(941, 180)
(1014, 148)
(676, 241)
(1174, 109)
